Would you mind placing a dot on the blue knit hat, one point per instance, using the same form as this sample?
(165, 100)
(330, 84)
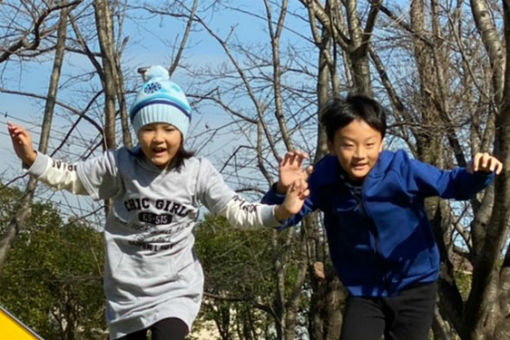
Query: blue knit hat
(160, 101)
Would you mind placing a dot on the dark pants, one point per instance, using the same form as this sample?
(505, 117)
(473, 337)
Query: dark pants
(166, 329)
(407, 316)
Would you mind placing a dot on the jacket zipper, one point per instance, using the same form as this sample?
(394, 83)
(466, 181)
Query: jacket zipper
(375, 234)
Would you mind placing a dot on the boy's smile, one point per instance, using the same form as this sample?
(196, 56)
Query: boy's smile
(160, 143)
(357, 147)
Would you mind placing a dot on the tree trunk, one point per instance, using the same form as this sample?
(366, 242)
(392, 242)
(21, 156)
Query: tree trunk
(104, 26)
(23, 210)
(486, 313)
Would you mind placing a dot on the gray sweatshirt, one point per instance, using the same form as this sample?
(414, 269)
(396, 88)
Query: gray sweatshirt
(151, 271)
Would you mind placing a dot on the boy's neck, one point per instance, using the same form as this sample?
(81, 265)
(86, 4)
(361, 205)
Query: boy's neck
(345, 177)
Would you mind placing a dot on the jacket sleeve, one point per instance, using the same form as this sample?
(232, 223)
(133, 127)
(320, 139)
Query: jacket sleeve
(274, 197)
(457, 183)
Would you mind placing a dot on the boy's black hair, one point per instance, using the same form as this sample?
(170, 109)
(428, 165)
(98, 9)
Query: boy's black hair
(339, 113)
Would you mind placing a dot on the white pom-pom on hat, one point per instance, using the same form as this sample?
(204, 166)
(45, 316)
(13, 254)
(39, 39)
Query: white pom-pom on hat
(160, 101)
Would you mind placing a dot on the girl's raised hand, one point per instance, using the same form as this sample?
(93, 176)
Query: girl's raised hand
(294, 200)
(22, 143)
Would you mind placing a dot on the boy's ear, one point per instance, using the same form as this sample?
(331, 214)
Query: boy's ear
(381, 147)
(331, 147)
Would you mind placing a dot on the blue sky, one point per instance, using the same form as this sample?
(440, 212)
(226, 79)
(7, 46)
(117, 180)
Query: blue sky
(149, 40)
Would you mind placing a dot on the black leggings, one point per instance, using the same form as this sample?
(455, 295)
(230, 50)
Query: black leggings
(407, 316)
(166, 329)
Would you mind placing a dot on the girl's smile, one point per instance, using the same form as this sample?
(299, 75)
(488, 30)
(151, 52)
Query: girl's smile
(159, 143)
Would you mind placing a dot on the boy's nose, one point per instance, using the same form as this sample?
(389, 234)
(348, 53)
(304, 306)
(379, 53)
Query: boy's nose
(359, 153)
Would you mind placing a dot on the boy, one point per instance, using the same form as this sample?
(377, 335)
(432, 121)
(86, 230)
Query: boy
(381, 243)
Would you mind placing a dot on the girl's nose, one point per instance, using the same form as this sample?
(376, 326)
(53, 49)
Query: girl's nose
(158, 136)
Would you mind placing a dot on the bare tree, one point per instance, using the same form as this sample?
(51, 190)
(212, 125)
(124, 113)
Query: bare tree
(23, 211)
(441, 67)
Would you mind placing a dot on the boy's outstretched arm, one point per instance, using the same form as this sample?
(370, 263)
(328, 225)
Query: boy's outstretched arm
(291, 170)
(484, 162)
(22, 143)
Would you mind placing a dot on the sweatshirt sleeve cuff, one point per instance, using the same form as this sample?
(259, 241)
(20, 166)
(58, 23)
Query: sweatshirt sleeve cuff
(268, 216)
(39, 166)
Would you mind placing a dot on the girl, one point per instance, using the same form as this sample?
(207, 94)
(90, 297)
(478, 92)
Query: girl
(152, 278)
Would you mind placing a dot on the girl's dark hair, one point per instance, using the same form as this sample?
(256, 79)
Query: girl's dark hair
(181, 155)
(339, 113)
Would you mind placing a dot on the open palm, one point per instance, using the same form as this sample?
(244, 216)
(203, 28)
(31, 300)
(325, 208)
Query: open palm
(291, 169)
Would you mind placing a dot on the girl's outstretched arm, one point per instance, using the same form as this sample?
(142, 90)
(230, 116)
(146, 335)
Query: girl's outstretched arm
(242, 213)
(57, 174)
(22, 143)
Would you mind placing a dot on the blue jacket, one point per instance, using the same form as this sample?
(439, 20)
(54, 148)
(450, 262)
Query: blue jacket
(384, 242)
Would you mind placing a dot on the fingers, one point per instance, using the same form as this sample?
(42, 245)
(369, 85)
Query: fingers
(300, 188)
(499, 168)
(486, 163)
(294, 158)
(309, 171)
(318, 269)
(294, 200)
(476, 161)
(495, 165)
(18, 134)
(14, 131)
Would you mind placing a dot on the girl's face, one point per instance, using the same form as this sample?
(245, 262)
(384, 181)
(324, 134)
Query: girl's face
(160, 143)
(357, 147)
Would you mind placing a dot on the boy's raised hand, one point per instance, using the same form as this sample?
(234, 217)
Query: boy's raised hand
(22, 143)
(484, 162)
(291, 170)
(294, 199)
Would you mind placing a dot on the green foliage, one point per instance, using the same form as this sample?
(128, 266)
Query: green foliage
(238, 273)
(51, 279)
(8, 200)
(235, 258)
(463, 280)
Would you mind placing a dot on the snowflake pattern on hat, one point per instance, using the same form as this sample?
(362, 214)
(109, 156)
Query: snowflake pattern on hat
(160, 101)
(152, 87)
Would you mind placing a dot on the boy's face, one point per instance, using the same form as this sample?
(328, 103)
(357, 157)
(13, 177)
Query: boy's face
(160, 143)
(357, 147)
